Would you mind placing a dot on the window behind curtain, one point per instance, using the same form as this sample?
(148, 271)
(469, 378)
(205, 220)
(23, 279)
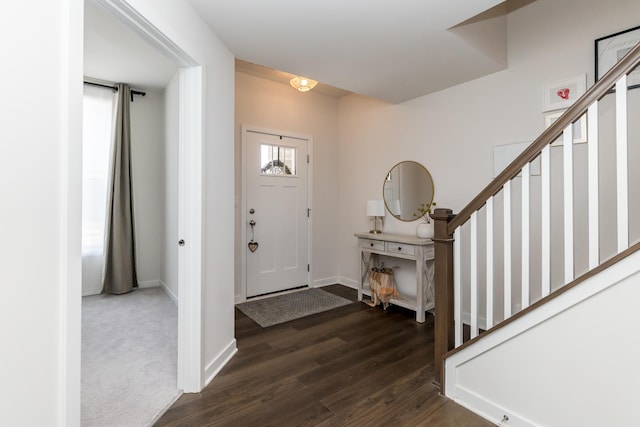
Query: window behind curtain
(97, 128)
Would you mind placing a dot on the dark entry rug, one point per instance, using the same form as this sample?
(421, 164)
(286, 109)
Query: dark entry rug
(283, 308)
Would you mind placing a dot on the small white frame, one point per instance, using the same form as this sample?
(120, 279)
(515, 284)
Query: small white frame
(579, 128)
(561, 94)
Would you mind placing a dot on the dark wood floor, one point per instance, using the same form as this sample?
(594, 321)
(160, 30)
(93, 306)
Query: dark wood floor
(352, 366)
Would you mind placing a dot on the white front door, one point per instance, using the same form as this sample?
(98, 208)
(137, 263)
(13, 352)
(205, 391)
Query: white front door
(277, 243)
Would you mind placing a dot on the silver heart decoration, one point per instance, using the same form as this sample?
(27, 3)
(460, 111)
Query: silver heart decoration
(253, 246)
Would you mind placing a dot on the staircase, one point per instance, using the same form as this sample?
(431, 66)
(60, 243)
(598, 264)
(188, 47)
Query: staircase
(530, 262)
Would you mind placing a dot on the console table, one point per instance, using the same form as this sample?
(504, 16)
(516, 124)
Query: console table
(406, 247)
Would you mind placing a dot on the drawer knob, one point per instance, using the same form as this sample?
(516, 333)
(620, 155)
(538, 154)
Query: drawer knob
(399, 248)
(371, 244)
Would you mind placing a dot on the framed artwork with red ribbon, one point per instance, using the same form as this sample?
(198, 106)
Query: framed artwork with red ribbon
(562, 94)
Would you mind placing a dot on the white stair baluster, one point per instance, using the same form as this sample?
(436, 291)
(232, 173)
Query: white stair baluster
(593, 180)
(473, 294)
(568, 203)
(507, 249)
(545, 207)
(621, 164)
(489, 213)
(526, 190)
(457, 300)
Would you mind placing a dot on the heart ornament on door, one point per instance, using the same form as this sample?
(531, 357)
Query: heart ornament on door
(253, 246)
(564, 93)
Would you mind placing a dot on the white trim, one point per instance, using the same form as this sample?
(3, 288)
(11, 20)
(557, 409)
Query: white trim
(191, 106)
(145, 284)
(129, 16)
(169, 292)
(157, 283)
(190, 226)
(345, 281)
(219, 362)
(489, 410)
(70, 256)
(243, 201)
(318, 283)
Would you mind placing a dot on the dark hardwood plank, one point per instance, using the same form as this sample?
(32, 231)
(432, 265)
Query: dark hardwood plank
(354, 365)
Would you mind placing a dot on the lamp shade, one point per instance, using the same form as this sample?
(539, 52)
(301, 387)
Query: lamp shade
(375, 208)
(303, 84)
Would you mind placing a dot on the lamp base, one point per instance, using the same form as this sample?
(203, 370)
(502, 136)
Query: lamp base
(375, 231)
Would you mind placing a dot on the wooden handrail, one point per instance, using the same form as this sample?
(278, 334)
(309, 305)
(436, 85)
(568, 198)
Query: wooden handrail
(573, 113)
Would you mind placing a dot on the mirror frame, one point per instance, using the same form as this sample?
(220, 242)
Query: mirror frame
(385, 180)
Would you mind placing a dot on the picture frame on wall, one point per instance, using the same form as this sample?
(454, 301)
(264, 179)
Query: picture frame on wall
(562, 94)
(612, 48)
(579, 128)
(503, 155)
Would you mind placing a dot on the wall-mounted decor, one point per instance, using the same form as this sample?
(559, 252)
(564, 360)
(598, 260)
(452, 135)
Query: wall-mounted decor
(579, 128)
(563, 93)
(503, 155)
(610, 49)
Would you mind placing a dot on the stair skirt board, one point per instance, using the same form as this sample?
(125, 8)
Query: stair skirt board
(492, 410)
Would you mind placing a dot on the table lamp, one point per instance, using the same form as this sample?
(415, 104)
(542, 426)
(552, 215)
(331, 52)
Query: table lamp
(375, 210)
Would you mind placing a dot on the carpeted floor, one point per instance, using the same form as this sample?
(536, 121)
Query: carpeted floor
(283, 308)
(129, 358)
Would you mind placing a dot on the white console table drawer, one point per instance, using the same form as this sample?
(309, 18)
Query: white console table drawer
(400, 248)
(372, 244)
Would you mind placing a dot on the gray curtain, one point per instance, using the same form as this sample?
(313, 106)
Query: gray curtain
(119, 274)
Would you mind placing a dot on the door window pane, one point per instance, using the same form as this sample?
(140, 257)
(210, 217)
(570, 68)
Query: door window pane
(277, 160)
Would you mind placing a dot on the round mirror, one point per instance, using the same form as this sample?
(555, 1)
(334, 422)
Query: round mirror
(407, 187)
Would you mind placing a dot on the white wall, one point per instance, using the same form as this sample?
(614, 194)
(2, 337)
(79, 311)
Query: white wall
(40, 170)
(578, 367)
(148, 164)
(452, 132)
(271, 105)
(179, 22)
(169, 268)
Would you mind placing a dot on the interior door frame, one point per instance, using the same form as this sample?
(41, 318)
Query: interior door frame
(190, 189)
(243, 204)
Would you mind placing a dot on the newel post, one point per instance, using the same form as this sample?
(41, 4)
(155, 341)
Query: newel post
(444, 327)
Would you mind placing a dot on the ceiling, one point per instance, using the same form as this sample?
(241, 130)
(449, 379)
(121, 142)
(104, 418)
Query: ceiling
(391, 51)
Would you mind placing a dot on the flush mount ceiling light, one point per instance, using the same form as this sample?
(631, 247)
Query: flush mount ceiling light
(303, 84)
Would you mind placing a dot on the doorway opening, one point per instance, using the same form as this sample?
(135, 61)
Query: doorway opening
(189, 185)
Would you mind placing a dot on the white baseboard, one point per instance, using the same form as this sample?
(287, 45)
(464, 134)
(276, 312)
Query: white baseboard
(214, 367)
(318, 283)
(347, 282)
(157, 283)
(169, 292)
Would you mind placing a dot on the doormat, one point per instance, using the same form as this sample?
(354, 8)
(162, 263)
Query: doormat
(283, 308)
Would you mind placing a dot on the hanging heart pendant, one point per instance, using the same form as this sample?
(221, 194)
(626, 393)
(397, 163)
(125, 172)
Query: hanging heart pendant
(253, 246)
